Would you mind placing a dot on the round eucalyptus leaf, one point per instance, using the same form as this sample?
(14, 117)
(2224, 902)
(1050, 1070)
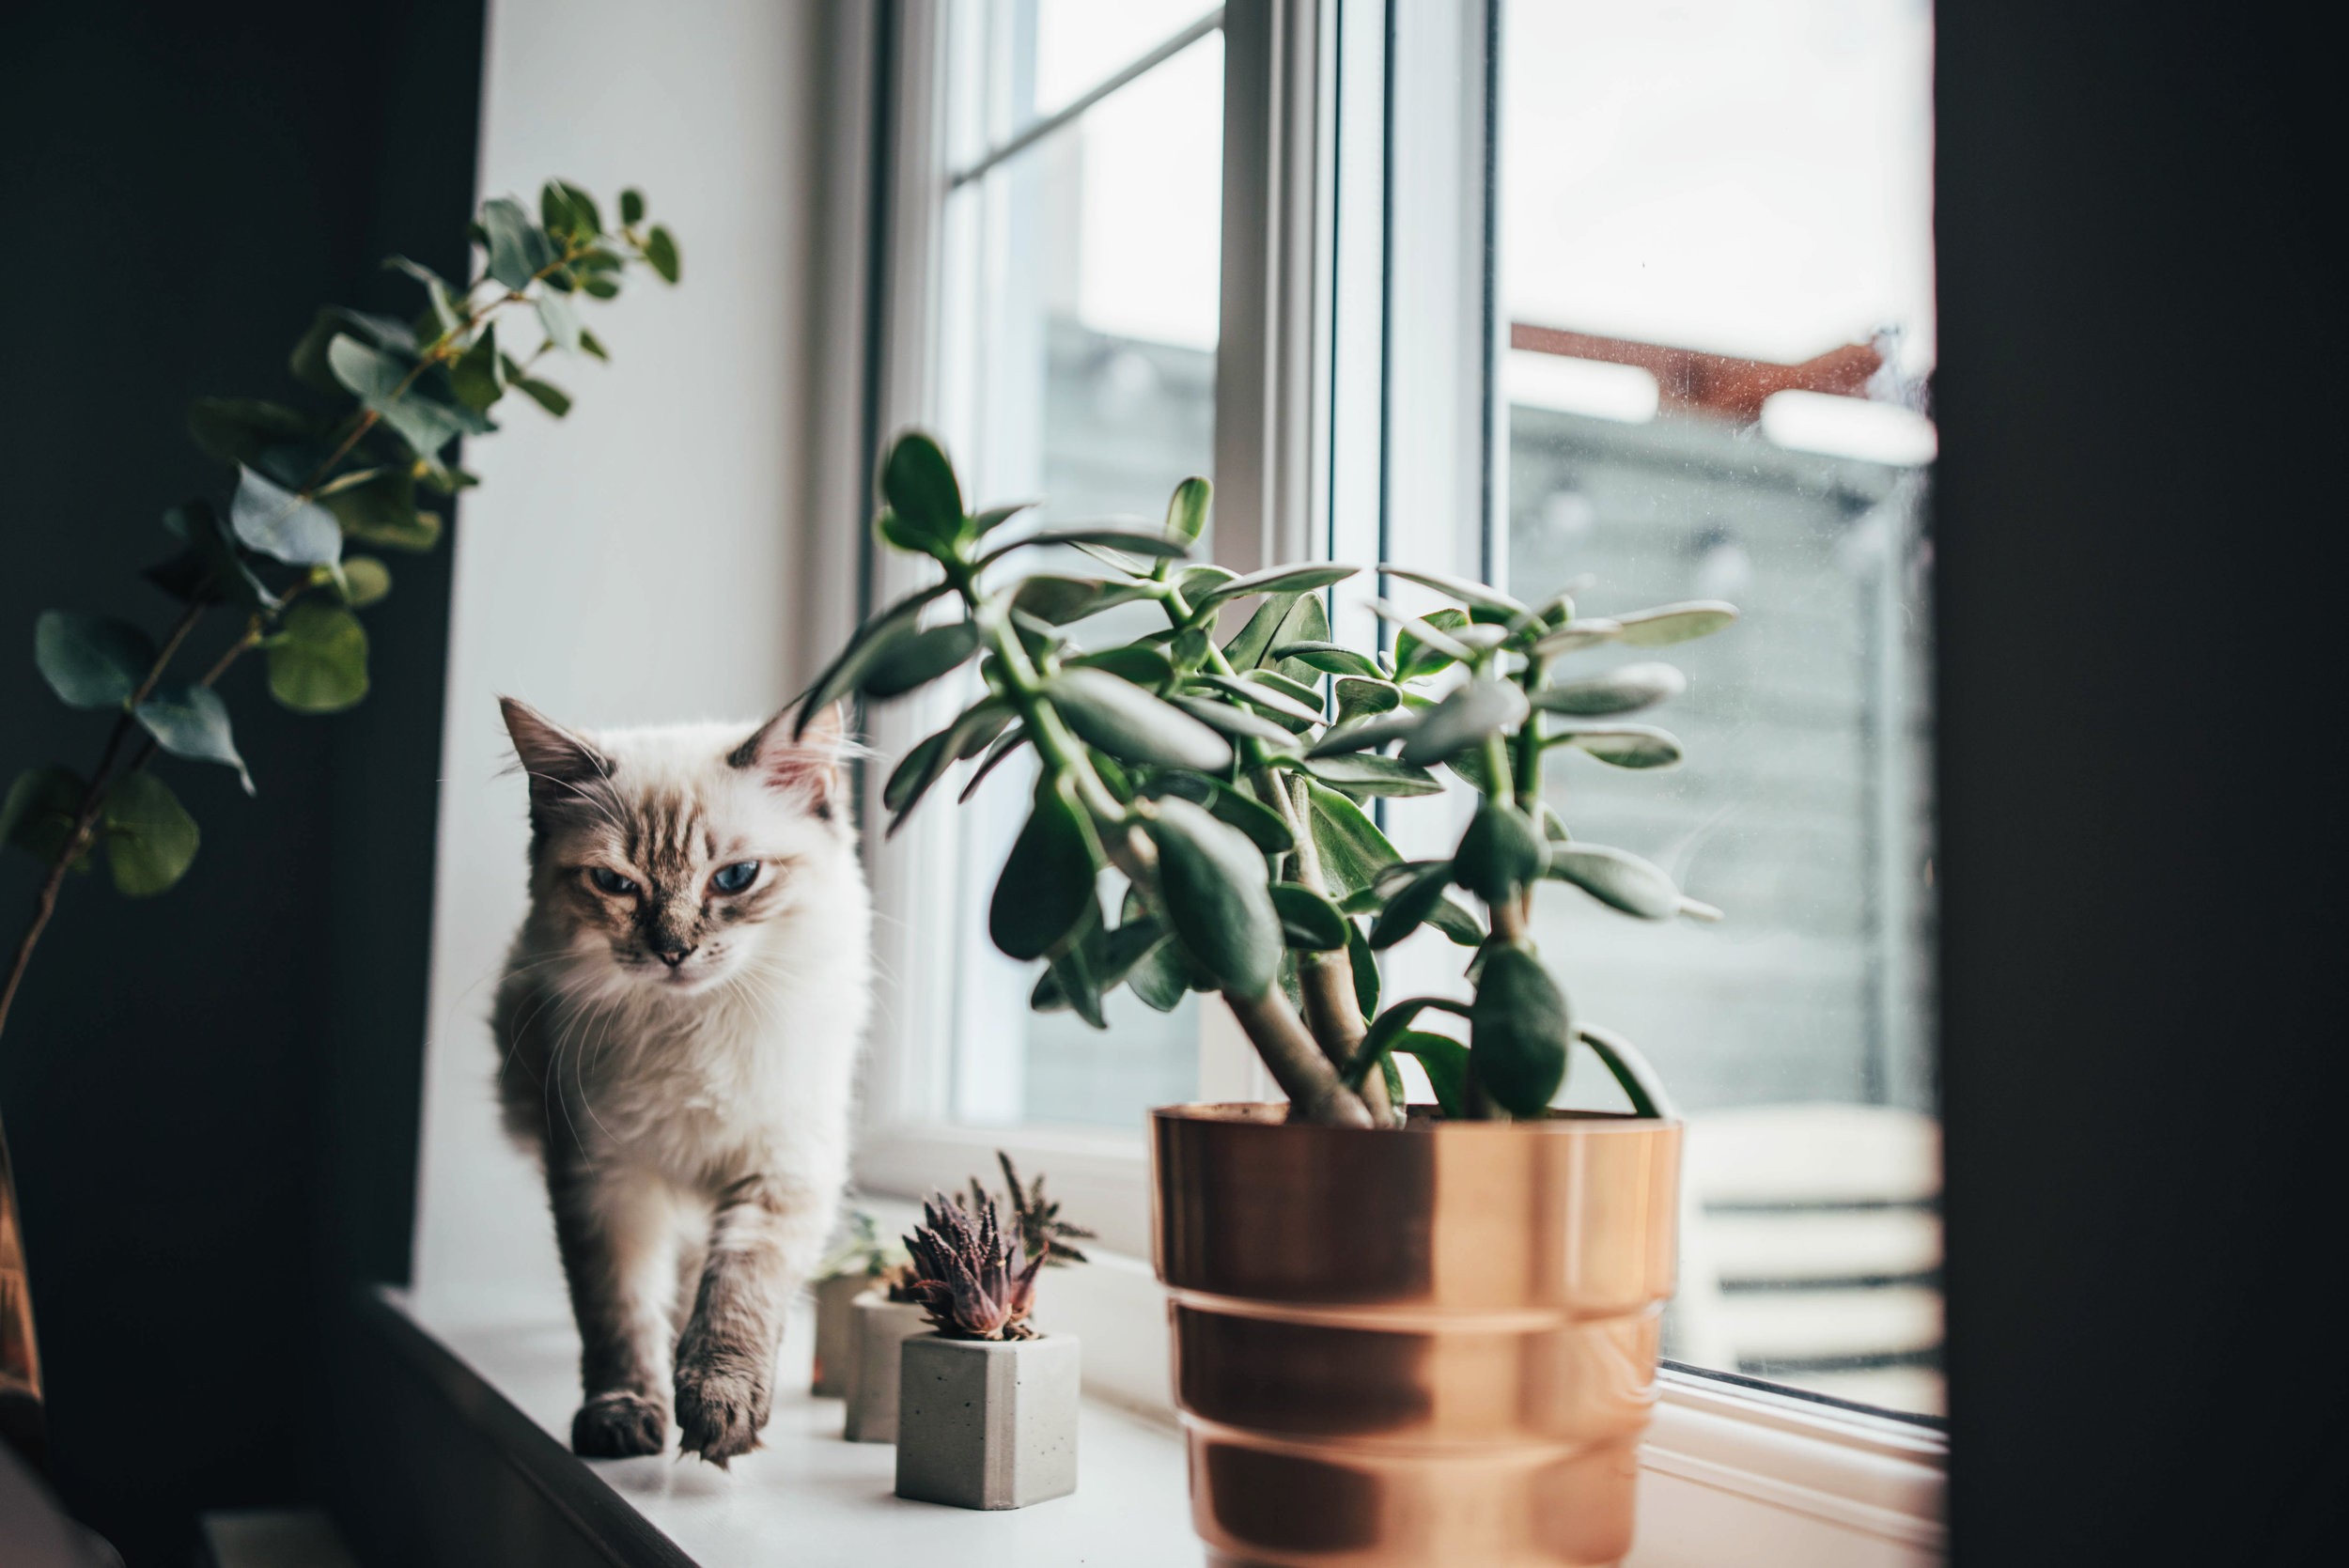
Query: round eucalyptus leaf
(660, 253)
(365, 580)
(560, 318)
(545, 394)
(382, 512)
(1134, 726)
(1674, 623)
(918, 658)
(1519, 1031)
(318, 662)
(280, 522)
(919, 484)
(477, 376)
(1624, 745)
(1046, 882)
(1213, 881)
(39, 813)
(240, 430)
(192, 722)
(1309, 922)
(1616, 877)
(1477, 709)
(1621, 691)
(631, 207)
(517, 247)
(1501, 854)
(91, 661)
(150, 839)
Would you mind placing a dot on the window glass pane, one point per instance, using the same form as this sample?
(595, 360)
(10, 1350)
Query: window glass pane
(1716, 272)
(1081, 300)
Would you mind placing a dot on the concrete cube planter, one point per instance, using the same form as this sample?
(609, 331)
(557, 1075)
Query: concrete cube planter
(882, 1325)
(987, 1424)
(835, 1332)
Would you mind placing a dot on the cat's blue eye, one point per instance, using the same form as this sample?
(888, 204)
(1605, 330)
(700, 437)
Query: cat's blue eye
(735, 878)
(610, 880)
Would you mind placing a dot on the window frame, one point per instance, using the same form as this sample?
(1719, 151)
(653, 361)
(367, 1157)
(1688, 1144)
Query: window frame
(1327, 101)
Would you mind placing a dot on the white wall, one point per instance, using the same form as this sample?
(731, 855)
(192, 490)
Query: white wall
(636, 562)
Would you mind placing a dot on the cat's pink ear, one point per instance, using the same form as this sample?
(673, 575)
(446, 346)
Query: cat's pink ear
(562, 767)
(807, 764)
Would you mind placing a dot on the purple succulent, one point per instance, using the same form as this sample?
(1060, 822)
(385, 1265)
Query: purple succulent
(968, 1272)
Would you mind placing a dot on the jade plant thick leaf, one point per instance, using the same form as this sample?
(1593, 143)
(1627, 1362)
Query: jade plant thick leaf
(1225, 780)
(356, 461)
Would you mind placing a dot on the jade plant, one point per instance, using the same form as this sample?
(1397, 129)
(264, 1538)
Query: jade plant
(356, 461)
(1226, 780)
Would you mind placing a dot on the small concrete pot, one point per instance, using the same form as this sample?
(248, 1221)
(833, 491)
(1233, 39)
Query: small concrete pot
(835, 1332)
(882, 1325)
(987, 1424)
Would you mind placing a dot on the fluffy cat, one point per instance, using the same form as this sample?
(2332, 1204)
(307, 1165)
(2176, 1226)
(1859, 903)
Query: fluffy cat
(679, 1024)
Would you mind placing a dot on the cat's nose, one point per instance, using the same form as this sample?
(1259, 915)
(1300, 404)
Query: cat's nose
(674, 956)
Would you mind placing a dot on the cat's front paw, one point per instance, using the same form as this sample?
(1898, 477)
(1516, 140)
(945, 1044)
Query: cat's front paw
(619, 1425)
(719, 1410)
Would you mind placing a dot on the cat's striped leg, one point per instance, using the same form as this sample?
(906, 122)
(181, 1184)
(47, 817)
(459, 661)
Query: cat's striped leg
(617, 1232)
(763, 1242)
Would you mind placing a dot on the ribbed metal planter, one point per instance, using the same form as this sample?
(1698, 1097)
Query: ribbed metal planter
(1429, 1346)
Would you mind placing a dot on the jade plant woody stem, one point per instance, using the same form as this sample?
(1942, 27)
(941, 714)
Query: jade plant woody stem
(1306, 1073)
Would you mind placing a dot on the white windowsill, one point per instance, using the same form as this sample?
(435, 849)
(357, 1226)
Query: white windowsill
(1728, 1477)
(812, 1499)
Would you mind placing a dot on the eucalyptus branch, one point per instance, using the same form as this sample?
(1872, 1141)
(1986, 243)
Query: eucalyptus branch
(96, 663)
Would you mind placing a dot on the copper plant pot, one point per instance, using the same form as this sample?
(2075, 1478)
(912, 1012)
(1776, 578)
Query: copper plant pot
(1429, 1346)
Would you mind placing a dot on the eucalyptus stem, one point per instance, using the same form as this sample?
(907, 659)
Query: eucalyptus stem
(86, 820)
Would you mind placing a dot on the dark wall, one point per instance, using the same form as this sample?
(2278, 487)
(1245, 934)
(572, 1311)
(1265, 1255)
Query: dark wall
(2139, 532)
(212, 1095)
